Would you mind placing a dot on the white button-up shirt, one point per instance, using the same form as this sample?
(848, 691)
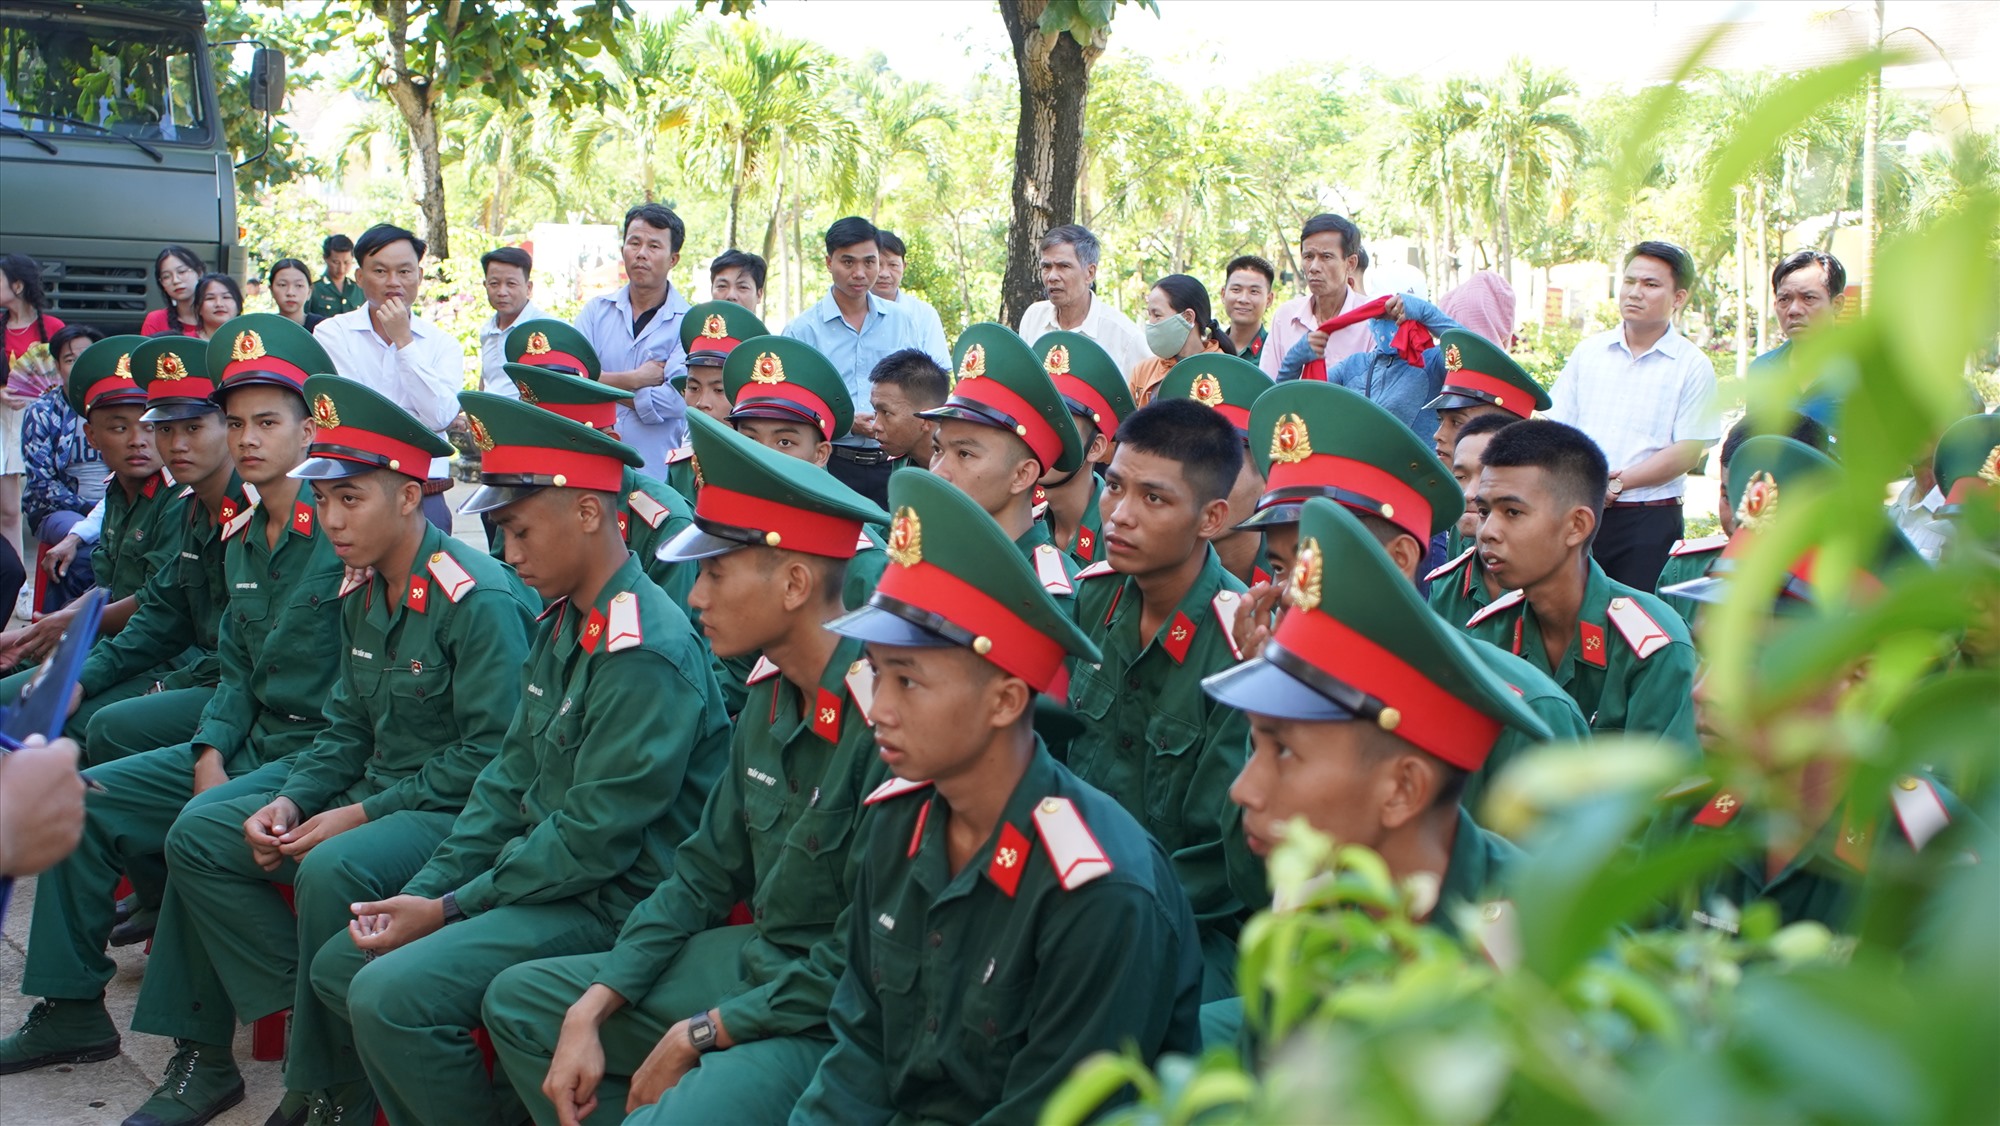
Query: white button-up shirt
(655, 422)
(424, 378)
(493, 351)
(1113, 331)
(928, 324)
(1294, 321)
(1635, 406)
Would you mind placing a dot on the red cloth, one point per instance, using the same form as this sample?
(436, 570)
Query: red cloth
(1412, 338)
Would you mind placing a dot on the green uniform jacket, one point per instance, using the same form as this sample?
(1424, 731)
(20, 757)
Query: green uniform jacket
(1630, 668)
(973, 995)
(179, 607)
(1155, 741)
(1543, 696)
(281, 624)
(1458, 589)
(649, 514)
(1054, 566)
(1087, 546)
(779, 832)
(620, 735)
(426, 689)
(140, 535)
(682, 473)
(864, 571)
(329, 300)
(1689, 560)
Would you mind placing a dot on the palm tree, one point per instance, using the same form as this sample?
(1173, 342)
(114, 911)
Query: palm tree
(901, 119)
(651, 77)
(1535, 144)
(1421, 156)
(500, 148)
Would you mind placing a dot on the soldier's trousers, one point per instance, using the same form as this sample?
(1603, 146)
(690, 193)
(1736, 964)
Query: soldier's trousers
(229, 949)
(755, 1081)
(414, 1008)
(127, 717)
(124, 827)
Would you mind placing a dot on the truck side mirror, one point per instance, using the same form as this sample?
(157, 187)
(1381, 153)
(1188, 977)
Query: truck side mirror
(267, 80)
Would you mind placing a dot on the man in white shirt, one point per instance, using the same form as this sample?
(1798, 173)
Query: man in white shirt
(1069, 269)
(1330, 255)
(1646, 395)
(889, 265)
(385, 346)
(637, 333)
(510, 291)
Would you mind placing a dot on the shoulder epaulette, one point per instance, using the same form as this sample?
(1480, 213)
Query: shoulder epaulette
(1451, 566)
(1696, 547)
(1072, 850)
(1096, 570)
(893, 788)
(237, 521)
(622, 629)
(1919, 809)
(648, 509)
(1500, 934)
(861, 689)
(352, 581)
(762, 671)
(1506, 601)
(862, 542)
(1049, 568)
(1225, 612)
(680, 455)
(452, 578)
(1641, 632)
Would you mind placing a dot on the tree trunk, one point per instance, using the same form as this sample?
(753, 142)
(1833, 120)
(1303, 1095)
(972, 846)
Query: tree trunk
(736, 196)
(1506, 234)
(427, 170)
(1054, 72)
(1870, 156)
(777, 208)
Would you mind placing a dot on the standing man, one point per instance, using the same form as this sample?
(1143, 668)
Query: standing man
(900, 389)
(1479, 378)
(637, 333)
(1809, 289)
(1330, 254)
(854, 329)
(386, 346)
(336, 292)
(1069, 278)
(1098, 400)
(1646, 395)
(510, 291)
(738, 276)
(1247, 284)
(889, 287)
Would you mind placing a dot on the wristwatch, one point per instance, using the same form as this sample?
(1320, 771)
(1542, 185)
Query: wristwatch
(701, 1032)
(452, 913)
(1617, 486)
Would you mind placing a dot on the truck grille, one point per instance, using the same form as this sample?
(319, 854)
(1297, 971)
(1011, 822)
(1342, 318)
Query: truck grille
(83, 292)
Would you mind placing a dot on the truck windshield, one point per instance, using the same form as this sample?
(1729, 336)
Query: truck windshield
(73, 73)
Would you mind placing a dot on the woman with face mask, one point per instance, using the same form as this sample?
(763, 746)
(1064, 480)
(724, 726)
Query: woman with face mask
(1178, 324)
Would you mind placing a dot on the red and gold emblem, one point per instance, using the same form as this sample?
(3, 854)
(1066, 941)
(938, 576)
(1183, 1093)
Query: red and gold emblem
(1207, 391)
(169, 367)
(324, 415)
(768, 369)
(1760, 501)
(1303, 592)
(1989, 470)
(248, 346)
(973, 366)
(906, 538)
(1452, 360)
(480, 436)
(1290, 442)
(714, 328)
(538, 345)
(1057, 361)
(124, 368)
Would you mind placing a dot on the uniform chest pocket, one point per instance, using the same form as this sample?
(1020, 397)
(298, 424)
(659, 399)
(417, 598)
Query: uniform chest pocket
(1172, 743)
(420, 696)
(250, 609)
(892, 968)
(996, 1012)
(1091, 692)
(814, 861)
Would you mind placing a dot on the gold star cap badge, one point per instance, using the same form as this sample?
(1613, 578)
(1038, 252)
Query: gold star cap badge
(1760, 501)
(1452, 360)
(1207, 391)
(973, 366)
(480, 436)
(538, 345)
(714, 328)
(769, 369)
(169, 367)
(906, 538)
(1290, 441)
(324, 415)
(248, 346)
(1303, 593)
(1057, 361)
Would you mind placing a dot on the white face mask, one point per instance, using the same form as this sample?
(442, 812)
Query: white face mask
(1168, 335)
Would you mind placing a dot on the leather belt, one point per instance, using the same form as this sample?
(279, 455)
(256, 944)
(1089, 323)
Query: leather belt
(860, 455)
(1669, 502)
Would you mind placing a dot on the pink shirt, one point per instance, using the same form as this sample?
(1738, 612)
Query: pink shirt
(1293, 321)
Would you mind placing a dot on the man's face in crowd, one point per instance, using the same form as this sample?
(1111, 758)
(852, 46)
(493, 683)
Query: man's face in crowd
(735, 284)
(1465, 457)
(793, 439)
(1647, 298)
(1064, 277)
(269, 431)
(1281, 550)
(507, 289)
(1246, 297)
(1804, 300)
(339, 265)
(889, 275)
(988, 464)
(649, 255)
(1320, 771)
(705, 391)
(549, 538)
(1450, 420)
(366, 516)
(1526, 530)
(125, 443)
(195, 449)
(935, 709)
(853, 269)
(739, 615)
(394, 272)
(1152, 518)
(897, 426)
(1327, 264)
(66, 359)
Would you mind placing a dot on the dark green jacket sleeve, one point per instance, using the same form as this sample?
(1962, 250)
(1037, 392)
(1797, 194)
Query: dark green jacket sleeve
(851, 1086)
(337, 757)
(161, 627)
(1662, 696)
(490, 819)
(1207, 810)
(226, 718)
(797, 997)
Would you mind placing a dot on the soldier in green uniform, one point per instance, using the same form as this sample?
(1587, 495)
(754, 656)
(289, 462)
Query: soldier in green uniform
(1367, 715)
(620, 735)
(710, 331)
(1010, 920)
(1460, 587)
(1004, 428)
(901, 387)
(336, 292)
(1622, 654)
(1320, 439)
(1098, 400)
(686, 1016)
(430, 645)
(1967, 467)
(1159, 610)
(281, 618)
(1229, 386)
(1479, 378)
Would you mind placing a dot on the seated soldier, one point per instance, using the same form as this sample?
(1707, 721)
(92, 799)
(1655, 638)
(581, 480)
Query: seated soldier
(1367, 714)
(1460, 587)
(1009, 919)
(709, 332)
(620, 735)
(1159, 609)
(901, 387)
(687, 1018)
(1620, 653)
(1098, 400)
(282, 579)
(1230, 387)
(1480, 378)
(431, 643)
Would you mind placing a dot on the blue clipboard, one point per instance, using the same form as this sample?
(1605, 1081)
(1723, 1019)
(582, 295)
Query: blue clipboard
(44, 704)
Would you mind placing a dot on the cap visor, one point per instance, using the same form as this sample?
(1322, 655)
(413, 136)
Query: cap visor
(178, 411)
(872, 623)
(693, 543)
(1263, 688)
(487, 498)
(330, 469)
(964, 414)
(1449, 401)
(1277, 515)
(1708, 588)
(774, 412)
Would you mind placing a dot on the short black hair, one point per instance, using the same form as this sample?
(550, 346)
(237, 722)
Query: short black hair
(1798, 427)
(752, 264)
(1076, 235)
(335, 244)
(1486, 423)
(1678, 260)
(1361, 259)
(67, 333)
(850, 231)
(889, 243)
(201, 286)
(660, 217)
(271, 275)
(925, 383)
(1380, 745)
(28, 272)
(1576, 467)
(1329, 223)
(381, 237)
(508, 256)
(176, 251)
(1836, 274)
(1206, 445)
(1250, 262)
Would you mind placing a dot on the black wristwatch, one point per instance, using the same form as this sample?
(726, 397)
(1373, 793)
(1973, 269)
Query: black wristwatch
(701, 1032)
(452, 914)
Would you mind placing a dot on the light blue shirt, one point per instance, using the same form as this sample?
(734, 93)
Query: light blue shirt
(887, 328)
(654, 422)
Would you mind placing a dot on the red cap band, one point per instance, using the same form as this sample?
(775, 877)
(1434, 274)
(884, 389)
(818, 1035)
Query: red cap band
(556, 361)
(341, 441)
(712, 346)
(264, 365)
(1965, 488)
(1506, 396)
(111, 385)
(988, 392)
(1017, 648)
(187, 387)
(597, 416)
(1407, 508)
(798, 529)
(804, 401)
(600, 472)
(1084, 393)
(1432, 718)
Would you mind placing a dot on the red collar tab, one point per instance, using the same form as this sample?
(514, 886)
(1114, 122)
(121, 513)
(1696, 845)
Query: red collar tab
(302, 518)
(1010, 859)
(593, 631)
(419, 598)
(1720, 811)
(1177, 639)
(1592, 650)
(826, 716)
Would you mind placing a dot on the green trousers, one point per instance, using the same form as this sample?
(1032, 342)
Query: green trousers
(755, 1081)
(124, 737)
(229, 948)
(147, 722)
(413, 1009)
(124, 830)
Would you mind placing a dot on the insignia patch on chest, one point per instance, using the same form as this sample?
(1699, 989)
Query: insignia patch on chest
(760, 776)
(1178, 638)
